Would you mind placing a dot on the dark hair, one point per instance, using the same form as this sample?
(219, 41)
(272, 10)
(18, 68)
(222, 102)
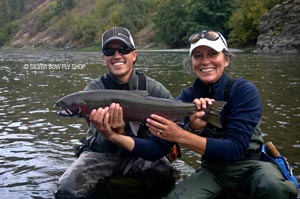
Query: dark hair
(228, 54)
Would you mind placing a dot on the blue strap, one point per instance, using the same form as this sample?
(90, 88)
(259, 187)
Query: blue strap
(282, 165)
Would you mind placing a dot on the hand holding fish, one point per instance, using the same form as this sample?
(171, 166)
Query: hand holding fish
(116, 120)
(202, 103)
(169, 130)
(197, 120)
(108, 120)
(164, 128)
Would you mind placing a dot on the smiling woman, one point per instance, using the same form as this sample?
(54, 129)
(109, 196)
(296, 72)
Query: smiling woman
(236, 146)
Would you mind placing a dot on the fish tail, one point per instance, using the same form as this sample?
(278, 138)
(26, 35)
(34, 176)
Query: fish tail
(213, 115)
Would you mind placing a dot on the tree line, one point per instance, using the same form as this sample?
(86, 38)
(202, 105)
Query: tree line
(172, 21)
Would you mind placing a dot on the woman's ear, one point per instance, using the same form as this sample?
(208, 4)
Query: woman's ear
(226, 60)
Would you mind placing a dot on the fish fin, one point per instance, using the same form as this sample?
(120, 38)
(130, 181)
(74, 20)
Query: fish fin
(134, 126)
(213, 113)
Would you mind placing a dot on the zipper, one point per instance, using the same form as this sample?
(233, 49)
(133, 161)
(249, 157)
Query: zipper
(210, 92)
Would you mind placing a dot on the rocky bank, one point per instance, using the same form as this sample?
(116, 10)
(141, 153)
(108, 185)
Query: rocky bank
(279, 29)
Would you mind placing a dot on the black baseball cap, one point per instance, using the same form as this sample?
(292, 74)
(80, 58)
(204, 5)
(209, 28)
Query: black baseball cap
(118, 33)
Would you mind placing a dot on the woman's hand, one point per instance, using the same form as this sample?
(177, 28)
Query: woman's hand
(164, 128)
(169, 130)
(197, 120)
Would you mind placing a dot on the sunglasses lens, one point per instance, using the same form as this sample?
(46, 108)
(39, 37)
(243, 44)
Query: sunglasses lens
(209, 35)
(195, 37)
(109, 51)
(123, 50)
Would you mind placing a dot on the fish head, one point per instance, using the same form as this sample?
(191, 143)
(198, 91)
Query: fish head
(73, 109)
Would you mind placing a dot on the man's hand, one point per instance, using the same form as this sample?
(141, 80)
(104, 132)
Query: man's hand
(108, 120)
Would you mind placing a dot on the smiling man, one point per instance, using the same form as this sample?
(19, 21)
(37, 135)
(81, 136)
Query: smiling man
(110, 147)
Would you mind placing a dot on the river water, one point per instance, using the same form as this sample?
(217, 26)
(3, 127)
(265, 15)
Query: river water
(36, 146)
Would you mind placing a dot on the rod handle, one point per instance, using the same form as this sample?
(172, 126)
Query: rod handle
(272, 149)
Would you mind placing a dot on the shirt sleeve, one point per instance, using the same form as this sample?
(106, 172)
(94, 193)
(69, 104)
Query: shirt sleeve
(151, 149)
(156, 89)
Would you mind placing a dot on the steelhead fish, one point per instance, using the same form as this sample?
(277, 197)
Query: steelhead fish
(137, 105)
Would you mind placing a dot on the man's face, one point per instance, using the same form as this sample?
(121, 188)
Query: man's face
(120, 64)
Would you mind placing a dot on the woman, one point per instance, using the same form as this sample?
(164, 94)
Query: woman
(231, 154)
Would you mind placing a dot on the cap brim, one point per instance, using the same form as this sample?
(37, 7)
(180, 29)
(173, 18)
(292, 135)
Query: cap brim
(117, 39)
(217, 45)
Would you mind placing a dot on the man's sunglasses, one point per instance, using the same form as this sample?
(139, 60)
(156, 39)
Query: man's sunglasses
(209, 35)
(123, 50)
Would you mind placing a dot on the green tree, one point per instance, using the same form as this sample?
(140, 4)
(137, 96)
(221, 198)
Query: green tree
(176, 20)
(86, 29)
(10, 10)
(45, 17)
(5, 33)
(245, 20)
(130, 14)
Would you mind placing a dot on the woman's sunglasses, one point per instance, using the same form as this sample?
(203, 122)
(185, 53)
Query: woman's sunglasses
(123, 50)
(209, 35)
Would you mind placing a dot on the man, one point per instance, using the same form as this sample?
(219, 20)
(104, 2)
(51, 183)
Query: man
(111, 148)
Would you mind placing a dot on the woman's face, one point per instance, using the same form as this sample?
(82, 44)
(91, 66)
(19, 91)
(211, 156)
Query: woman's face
(208, 64)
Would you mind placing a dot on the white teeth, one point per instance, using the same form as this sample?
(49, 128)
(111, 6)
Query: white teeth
(118, 64)
(206, 69)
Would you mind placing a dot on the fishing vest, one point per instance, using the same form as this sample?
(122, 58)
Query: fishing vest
(210, 131)
(109, 83)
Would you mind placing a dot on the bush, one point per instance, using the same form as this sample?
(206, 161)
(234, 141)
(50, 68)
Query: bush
(245, 20)
(6, 32)
(176, 20)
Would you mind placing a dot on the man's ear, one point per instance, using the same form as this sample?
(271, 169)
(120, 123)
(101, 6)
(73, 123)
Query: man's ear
(135, 54)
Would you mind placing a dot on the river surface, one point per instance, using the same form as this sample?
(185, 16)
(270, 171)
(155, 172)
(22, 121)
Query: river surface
(36, 146)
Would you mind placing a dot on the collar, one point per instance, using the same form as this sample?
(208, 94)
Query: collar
(214, 91)
(131, 85)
